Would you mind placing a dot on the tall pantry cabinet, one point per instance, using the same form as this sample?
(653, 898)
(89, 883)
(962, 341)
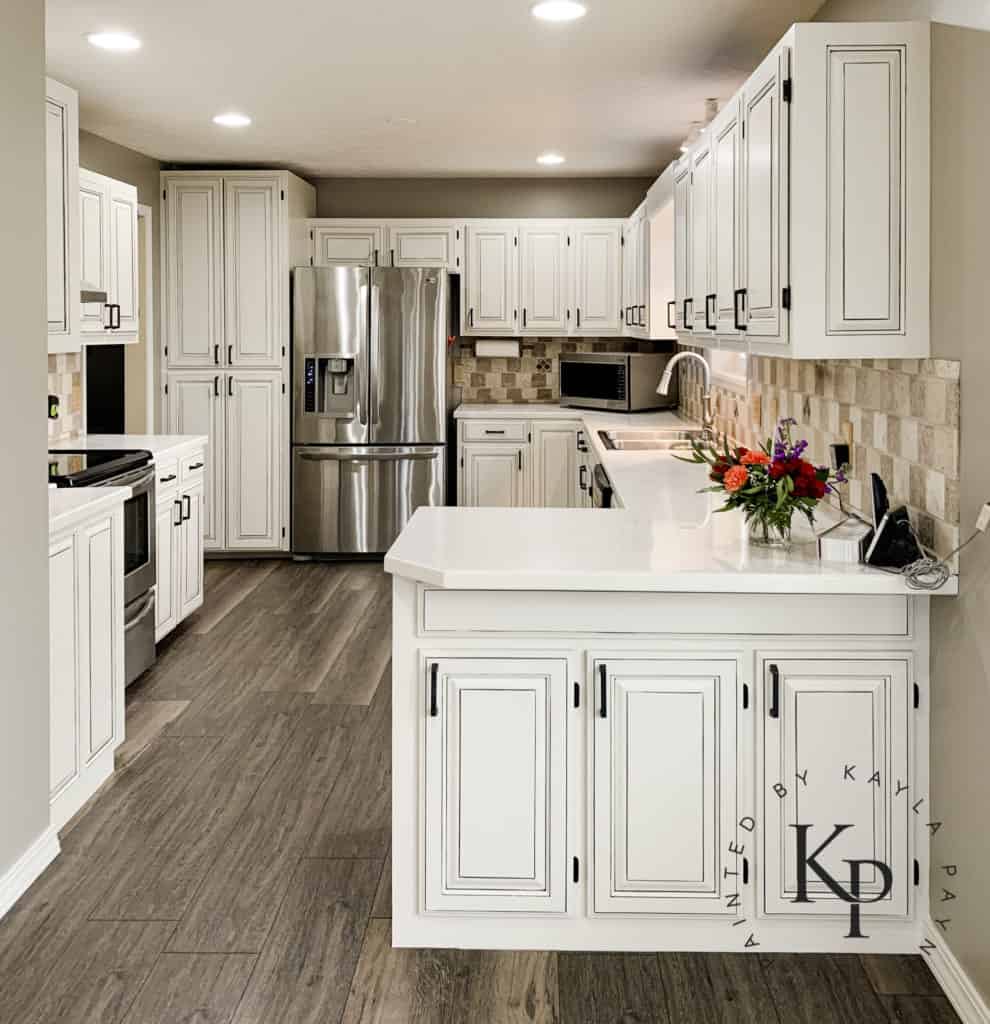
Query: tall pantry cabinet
(229, 241)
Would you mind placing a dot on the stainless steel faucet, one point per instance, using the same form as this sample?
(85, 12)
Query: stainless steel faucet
(707, 413)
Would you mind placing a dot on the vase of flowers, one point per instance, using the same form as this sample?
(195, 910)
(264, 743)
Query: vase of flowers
(769, 483)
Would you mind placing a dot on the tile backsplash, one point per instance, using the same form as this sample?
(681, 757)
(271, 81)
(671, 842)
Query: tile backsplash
(535, 375)
(899, 416)
(65, 380)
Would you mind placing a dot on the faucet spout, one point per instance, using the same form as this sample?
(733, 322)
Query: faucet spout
(707, 412)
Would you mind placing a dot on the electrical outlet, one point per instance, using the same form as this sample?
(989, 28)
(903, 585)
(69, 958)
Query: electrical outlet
(53, 407)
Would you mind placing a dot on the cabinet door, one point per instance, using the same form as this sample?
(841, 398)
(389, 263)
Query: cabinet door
(62, 221)
(189, 594)
(168, 524)
(701, 285)
(643, 282)
(100, 619)
(726, 141)
(555, 464)
(253, 446)
(252, 280)
(665, 786)
(347, 245)
(123, 253)
(682, 245)
(491, 278)
(192, 306)
(764, 199)
(196, 406)
(542, 276)
(597, 281)
(94, 243)
(63, 670)
(496, 784)
(495, 475)
(423, 245)
(821, 717)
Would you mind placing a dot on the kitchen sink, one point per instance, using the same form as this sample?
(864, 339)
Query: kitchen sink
(662, 440)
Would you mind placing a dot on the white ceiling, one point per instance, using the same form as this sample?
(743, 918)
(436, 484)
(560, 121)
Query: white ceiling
(411, 87)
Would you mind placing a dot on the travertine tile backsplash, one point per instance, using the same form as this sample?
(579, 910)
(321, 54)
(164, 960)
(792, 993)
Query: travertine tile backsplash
(899, 416)
(65, 380)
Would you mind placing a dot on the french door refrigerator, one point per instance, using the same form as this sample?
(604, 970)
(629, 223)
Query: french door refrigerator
(368, 404)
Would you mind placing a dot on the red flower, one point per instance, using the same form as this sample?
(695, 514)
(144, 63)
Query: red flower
(754, 459)
(719, 469)
(806, 469)
(735, 478)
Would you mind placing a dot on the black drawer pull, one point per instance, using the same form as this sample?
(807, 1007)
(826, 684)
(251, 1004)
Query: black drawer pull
(434, 669)
(166, 479)
(494, 431)
(195, 465)
(774, 711)
(603, 676)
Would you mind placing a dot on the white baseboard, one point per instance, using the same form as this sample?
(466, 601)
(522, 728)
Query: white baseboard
(955, 983)
(24, 872)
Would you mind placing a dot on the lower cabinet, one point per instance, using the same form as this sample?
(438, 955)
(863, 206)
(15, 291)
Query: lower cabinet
(495, 474)
(836, 737)
(496, 784)
(555, 464)
(664, 770)
(179, 549)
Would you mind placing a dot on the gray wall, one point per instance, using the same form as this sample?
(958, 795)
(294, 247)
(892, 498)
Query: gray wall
(479, 197)
(960, 795)
(23, 383)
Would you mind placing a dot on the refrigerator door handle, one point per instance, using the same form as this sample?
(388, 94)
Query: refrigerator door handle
(361, 385)
(369, 456)
(376, 357)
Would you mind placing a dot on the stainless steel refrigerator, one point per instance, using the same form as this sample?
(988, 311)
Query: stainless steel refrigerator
(368, 404)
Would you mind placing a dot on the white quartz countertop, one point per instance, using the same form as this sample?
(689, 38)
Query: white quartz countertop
(667, 537)
(70, 506)
(161, 446)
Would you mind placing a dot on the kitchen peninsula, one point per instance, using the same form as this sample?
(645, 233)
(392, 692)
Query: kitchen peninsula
(606, 721)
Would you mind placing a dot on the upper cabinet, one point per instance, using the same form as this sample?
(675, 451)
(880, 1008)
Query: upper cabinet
(425, 243)
(811, 188)
(490, 287)
(347, 243)
(543, 277)
(596, 277)
(62, 208)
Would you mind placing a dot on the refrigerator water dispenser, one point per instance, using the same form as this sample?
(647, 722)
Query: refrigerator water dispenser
(328, 386)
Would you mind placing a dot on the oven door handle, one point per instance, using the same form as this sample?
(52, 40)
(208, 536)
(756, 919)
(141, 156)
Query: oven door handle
(146, 606)
(144, 475)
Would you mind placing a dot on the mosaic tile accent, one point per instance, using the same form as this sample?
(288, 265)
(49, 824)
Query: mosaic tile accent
(535, 375)
(899, 416)
(65, 380)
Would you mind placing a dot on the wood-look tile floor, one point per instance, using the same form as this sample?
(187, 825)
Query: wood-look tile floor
(236, 868)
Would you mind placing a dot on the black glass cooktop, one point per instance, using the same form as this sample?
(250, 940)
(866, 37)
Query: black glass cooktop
(86, 469)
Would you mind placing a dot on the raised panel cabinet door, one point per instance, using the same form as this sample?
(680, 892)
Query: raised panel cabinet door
(555, 464)
(496, 784)
(168, 523)
(701, 278)
(764, 200)
(253, 454)
(252, 280)
(682, 245)
(123, 251)
(726, 142)
(543, 278)
(348, 245)
(94, 249)
(63, 670)
(665, 801)
(190, 573)
(423, 245)
(195, 404)
(495, 475)
(192, 304)
(643, 283)
(491, 278)
(597, 279)
(100, 619)
(836, 742)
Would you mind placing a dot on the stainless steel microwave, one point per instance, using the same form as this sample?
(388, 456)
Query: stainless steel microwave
(617, 381)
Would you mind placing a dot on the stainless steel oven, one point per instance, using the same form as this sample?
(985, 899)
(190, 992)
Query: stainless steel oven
(617, 381)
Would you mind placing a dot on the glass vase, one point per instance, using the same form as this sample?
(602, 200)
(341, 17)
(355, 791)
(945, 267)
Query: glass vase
(766, 534)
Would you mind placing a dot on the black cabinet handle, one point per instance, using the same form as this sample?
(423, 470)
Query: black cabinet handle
(166, 479)
(178, 522)
(494, 431)
(642, 314)
(519, 456)
(709, 303)
(216, 387)
(471, 317)
(579, 316)
(230, 387)
(187, 511)
(230, 355)
(524, 316)
(216, 355)
(391, 256)
(738, 308)
(583, 478)
(376, 257)
(688, 326)
(745, 870)
(672, 313)
(108, 319)
(774, 711)
(434, 669)
(603, 683)
(196, 465)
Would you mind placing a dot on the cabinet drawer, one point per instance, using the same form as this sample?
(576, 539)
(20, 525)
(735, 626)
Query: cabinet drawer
(166, 477)
(496, 430)
(192, 467)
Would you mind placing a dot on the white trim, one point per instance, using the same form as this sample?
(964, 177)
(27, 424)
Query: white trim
(955, 983)
(147, 325)
(23, 873)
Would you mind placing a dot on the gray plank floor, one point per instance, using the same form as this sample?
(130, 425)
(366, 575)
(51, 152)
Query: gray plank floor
(236, 869)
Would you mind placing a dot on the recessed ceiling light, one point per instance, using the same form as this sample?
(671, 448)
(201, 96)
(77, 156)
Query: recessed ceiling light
(559, 10)
(550, 159)
(121, 41)
(232, 120)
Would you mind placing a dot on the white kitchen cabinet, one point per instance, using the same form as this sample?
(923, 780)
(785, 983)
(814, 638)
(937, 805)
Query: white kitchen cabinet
(62, 216)
(543, 277)
(701, 288)
(682, 245)
(124, 288)
(253, 262)
(496, 784)
(494, 474)
(490, 285)
(348, 243)
(836, 741)
(597, 283)
(190, 590)
(665, 765)
(725, 218)
(253, 443)
(168, 520)
(94, 264)
(648, 288)
(555, 463)
(425, 243)
(585, 469)
(63, 666)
